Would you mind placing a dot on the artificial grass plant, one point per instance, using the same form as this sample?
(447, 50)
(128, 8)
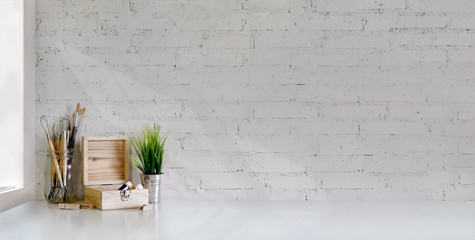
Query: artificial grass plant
(149, 147)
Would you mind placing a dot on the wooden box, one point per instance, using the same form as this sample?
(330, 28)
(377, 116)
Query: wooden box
(105, 169)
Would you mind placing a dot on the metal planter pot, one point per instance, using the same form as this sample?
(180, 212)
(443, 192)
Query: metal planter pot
(152, 183)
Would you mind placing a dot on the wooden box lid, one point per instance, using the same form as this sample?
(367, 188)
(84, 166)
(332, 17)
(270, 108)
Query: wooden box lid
(105, 160)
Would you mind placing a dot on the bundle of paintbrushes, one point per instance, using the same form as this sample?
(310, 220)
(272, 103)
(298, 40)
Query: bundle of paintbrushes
(61, 139)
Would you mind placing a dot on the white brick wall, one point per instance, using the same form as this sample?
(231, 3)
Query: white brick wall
(287, 99)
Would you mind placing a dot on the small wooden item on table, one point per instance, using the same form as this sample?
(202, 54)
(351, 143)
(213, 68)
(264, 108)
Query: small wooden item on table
(69, 206)
(86, 205)
(144, 208)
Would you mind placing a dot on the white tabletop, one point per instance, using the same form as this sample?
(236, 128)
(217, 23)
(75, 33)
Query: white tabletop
(247, 220)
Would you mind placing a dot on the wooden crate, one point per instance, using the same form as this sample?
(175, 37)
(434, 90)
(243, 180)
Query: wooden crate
(105, 169)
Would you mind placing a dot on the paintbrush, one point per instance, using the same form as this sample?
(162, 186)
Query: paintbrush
(78, 107)
(82, 114)
(73, 127)
(77, 117)
(63, 158)
(55, 162)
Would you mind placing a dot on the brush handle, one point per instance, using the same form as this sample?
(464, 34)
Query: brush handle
(53, 176)
(55, 162)
(64, 160)
(53, 172)
(61, 157)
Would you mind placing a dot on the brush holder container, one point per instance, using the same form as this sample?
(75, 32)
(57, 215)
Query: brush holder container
(64, 188)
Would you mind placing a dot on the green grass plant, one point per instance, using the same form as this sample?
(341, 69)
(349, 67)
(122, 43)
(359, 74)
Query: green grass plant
(149, 147)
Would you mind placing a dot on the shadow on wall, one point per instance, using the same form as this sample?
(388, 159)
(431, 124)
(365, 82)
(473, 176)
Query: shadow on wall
(262, 109)
(217, 148)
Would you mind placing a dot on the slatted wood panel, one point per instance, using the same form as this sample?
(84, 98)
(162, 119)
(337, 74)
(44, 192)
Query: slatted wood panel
(105, 160)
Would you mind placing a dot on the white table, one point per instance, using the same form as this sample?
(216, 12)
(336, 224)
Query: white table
(247, 220)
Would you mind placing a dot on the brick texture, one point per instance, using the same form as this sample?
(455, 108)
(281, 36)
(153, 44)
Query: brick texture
(286, 99)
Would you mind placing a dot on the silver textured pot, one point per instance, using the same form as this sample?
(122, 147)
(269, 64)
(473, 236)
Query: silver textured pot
(152, 183)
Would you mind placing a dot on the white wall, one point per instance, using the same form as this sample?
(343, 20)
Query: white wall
(266, 99)
(17, 197)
